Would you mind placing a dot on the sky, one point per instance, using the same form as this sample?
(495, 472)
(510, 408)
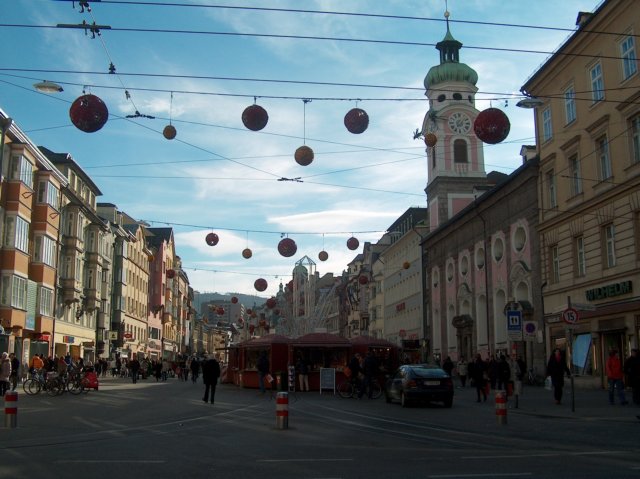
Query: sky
(198, 64)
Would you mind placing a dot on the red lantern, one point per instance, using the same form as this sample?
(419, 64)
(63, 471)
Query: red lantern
(249, 311)
(220, 311)
(323, 256)
(356, 120)
(255, 117)
(169, 132)
(171, 273)
(212, 239)
(430, 140)
(287, 247)
(406, 265)
(247, 253)
(88, 113)
(260, 284)
(491, 126)
(353, 243)
(234, 300)
(271, 303)
(304, 155)
(363, 279)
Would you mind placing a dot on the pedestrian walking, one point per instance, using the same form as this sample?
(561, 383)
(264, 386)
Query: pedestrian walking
(615, 377)
(463, 370)
(478, 371)
(15, 366)
(556, 369)
(134, 366)
(195, 370)
(447, 365)
(632, 370)
(303, 373)
(5, 373)
(263, 367)
(210, 375)
(370, 370)
(504, 373)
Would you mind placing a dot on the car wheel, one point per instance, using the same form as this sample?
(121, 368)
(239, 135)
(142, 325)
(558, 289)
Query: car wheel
(404, 401)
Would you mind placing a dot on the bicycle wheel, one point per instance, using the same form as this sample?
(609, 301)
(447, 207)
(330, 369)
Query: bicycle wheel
(53, 387)
(376, 390)
(31, 386)
(346, 390)
(75, 386)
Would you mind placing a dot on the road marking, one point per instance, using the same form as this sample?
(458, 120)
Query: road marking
(493, 474)
(303, 460)
(549, 454)
(105, 461)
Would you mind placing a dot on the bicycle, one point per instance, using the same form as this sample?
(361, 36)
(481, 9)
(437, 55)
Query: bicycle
(532, 378)
(37, 382)
(351, 389)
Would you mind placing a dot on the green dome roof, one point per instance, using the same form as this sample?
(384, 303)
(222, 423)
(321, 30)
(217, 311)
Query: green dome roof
(450, 72)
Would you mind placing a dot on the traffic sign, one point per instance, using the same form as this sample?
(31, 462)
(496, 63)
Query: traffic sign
(570, 316)
(514, 325)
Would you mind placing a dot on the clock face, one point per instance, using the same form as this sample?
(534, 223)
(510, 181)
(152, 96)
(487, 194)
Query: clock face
(460, 123)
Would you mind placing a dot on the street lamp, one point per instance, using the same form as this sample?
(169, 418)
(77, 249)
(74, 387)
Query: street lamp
(5, 124)
(48, 87)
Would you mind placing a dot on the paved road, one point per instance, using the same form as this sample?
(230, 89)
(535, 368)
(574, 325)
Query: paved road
(165, 430)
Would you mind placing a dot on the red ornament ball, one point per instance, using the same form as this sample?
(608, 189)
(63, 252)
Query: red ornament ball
(363, 279)
(249, 311)
(430, 140)
(491, 126)
(353, 243)
(169, 132)
(287, 247)
(304, 155)
(356, 120)
(234, 299)
(212, 239)
(220, 311)
(260, 284)
(88, 113)
(271, 303)
(406, 265)
(171, 273)
(247, 253)
(323, 256)
(255, 117)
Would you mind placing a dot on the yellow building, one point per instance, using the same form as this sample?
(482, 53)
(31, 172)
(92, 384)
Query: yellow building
(587, 112)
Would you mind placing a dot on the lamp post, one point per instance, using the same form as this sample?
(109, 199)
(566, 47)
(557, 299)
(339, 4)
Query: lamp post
(5, 124)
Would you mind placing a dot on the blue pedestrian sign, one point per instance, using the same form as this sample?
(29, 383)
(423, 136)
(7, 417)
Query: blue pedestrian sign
(514, 325)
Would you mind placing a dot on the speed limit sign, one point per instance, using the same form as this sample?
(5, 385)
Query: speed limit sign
(570, 316)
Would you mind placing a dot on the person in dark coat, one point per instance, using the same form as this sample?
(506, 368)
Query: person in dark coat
(478, 370)
(370, 369)
(263, 367)
(504, 373)
(134, 366)
(632, 370)
(447, 365)
(195, 370)
(210, 375)
(556, 369)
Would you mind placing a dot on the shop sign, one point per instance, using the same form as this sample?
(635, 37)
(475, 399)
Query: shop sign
(514, 325)
(113, 335)
(609, 291)
(68, 339)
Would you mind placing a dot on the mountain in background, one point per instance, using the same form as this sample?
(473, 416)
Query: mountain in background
(248, 300)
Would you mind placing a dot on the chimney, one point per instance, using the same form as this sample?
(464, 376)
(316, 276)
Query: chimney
(583, 18)
(527, 152)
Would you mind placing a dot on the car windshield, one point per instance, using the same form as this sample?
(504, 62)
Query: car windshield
(426, 372)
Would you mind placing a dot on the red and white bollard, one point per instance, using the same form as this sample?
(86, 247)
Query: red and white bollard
(11, 409)
(282, 410)
(501, 407)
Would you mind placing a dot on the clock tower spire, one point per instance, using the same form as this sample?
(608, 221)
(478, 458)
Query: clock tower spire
(456, 161)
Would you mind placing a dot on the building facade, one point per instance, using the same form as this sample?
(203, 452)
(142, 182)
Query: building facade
(588, 141)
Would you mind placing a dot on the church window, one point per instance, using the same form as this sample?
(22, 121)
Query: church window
(442, 98)
(457, 96)
(460, 153)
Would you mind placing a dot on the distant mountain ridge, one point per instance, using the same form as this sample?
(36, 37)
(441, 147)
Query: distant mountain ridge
(248, 300)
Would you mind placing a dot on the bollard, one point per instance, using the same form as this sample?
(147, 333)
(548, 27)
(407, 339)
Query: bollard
(501, 407)
(282, 410)
(11, 409)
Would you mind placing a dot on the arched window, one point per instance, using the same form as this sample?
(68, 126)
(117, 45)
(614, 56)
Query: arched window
(460, 154)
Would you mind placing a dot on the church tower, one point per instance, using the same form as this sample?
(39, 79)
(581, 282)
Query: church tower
(456, 162)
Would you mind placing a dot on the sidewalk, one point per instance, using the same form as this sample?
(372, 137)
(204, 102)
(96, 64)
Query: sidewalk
(588, 404)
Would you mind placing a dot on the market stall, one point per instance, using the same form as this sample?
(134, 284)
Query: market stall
(321, 350)
(277, 348)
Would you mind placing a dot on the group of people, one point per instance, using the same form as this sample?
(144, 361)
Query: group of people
(363, 371)
(9, 366)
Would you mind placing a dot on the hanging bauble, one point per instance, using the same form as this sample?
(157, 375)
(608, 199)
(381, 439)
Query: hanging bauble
(430, 140)
(353, 243)
(220, 311)
(212, 239)
(260, 284)
(356, 120)
(249, 311)
(234, 299)
(323, 256)
(304, 155)
(88, 113)
(406, 265)
(169, 132)
(363, 279)
(255, 117)
(271, 303)
(247, 253)
(287, 247)
(171, 273)
(491, 126)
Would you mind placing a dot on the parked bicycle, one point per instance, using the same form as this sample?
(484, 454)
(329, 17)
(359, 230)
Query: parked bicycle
(351, 389)
(38, 382)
